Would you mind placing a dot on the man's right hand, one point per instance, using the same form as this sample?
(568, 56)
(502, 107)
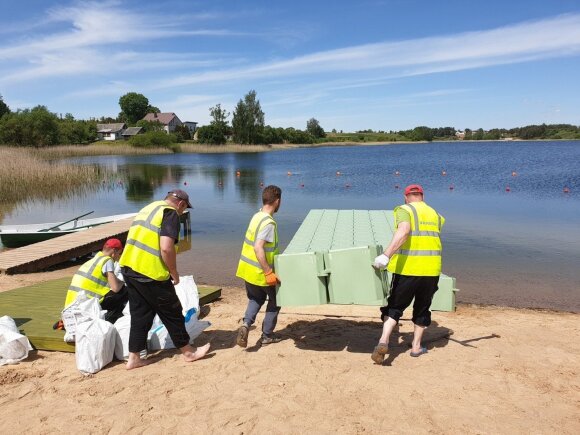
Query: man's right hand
(175, 279)
(381, 261)
(271, 278)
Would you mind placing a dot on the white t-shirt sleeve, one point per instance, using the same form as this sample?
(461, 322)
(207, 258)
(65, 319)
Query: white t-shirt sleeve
(267, 233)
(109, 266)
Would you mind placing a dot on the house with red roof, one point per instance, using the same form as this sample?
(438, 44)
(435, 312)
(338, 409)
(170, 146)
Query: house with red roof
(168, 120)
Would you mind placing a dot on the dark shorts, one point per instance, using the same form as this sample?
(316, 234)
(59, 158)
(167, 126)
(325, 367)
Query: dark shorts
(403, 289)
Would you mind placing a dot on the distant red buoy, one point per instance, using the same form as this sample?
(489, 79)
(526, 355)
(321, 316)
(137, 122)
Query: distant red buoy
(443, 173)
(347, 185)
(396, 186)
(261, 184)
(289, 173)
(302, 185)
(508, 189)
(514, 174)
(566, 190)
(220, 183)
(337, 173)
(238, 173)
(451, 187)
(397, 173)
(185, 183)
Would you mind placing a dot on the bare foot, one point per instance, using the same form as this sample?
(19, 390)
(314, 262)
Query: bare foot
(199, 353)
(136, 363)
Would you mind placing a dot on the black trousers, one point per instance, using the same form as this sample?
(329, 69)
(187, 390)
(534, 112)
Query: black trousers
(403, 289)
(115, 303)
(147, 299)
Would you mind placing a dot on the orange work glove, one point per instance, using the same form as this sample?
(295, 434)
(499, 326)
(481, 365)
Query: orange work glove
(271, 278)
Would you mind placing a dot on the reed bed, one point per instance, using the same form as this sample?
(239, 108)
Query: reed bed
(97, 149)
(228, 148)
(24, 175)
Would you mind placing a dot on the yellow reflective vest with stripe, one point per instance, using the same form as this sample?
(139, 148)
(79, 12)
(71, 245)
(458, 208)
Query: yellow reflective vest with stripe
(89, 278)
(249, 268)
(420, 255)
(142, 251)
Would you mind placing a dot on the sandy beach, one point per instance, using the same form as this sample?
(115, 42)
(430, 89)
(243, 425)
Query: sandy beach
(488, 370)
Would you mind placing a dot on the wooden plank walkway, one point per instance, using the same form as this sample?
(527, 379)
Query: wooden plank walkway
(39, 256)
(35, 309)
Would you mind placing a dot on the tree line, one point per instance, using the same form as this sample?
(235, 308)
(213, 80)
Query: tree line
(39, 127)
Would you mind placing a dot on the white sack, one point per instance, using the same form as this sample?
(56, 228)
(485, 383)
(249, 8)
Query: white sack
(123, 327)
(188, 296)
(95, 345)
(159, 338)
(80, 310)
(14, 346)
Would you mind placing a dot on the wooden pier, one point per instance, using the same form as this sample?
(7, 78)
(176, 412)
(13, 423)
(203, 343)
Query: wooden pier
(39, 256)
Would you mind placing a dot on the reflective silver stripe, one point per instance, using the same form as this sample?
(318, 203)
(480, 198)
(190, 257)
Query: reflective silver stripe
(415, 215)
(252, 262)
(418, 253)
(78, 289)
(266, 248)
(147, 223)
(425, 233)
(267, 218)
(93, 278)
(143, 246)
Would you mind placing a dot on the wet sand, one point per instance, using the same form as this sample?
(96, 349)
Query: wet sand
(488, 370)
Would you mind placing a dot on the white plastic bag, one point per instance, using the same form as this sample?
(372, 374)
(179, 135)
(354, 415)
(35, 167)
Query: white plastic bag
(188, 296)
(95, 345)
(123, 327)
(80, 310)
(159, 338)
(14, 346)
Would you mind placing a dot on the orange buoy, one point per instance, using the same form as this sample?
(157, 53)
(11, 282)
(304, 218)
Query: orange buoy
(507, 189)
(289, 173)
(397, 173)
(514, 174)
(238, 173)
(443, 172)
(337, 173)
(301, 184)
(566, 190)
(451, 187)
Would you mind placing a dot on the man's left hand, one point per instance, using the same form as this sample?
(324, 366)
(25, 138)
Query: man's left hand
(381, 262)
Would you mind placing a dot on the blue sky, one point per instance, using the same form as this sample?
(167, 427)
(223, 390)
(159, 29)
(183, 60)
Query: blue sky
(384, 65)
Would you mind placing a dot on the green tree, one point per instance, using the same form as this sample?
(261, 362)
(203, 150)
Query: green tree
(134, 106)
(313, 127)
(248, 120)
(3, 107)
(30, 127)
(422, 133)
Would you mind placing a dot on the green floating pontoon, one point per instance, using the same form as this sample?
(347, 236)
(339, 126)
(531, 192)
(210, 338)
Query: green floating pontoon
(329, 261)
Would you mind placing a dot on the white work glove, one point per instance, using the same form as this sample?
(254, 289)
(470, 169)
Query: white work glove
(381, 262)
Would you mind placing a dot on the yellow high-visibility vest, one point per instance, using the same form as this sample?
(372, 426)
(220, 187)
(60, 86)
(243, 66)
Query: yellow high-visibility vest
(420, 255)
(89, 278)
(142, 251)
(249, 268)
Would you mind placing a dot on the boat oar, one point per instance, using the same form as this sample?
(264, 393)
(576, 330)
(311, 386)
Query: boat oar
(65, 222)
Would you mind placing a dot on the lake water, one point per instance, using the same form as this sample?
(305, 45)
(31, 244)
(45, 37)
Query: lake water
(518, 248)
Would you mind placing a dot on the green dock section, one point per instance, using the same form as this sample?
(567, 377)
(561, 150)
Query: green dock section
(329, 261)
(37, 307)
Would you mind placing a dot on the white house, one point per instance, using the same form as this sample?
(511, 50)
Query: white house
(169, 120)
(110, 131)
(192, 126)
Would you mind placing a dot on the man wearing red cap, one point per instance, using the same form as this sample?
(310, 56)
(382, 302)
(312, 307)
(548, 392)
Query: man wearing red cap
(97, 278)
(414, 259)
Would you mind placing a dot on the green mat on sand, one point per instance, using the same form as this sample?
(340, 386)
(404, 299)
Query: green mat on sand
(37, 307)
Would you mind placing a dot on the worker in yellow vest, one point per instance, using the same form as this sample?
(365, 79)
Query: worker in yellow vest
(414, 259)
(256, 268)
(97, 279)
(149, 266)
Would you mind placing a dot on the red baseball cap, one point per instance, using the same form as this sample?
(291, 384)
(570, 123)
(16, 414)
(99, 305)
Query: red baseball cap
(413, 188)
(113, 243)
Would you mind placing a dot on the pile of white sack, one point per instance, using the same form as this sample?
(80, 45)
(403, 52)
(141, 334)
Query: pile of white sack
(98, 341)
(14, 346)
